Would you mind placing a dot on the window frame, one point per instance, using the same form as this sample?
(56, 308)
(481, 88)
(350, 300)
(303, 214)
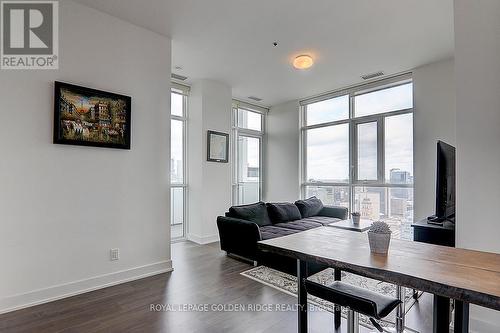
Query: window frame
(353, 121)
(236, 132)
(183, 91)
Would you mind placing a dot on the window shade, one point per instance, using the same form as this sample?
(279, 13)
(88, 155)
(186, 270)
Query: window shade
(249, 106)
(357, 89)
(180, 88)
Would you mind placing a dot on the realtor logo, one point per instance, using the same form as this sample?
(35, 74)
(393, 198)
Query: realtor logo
(29, 32)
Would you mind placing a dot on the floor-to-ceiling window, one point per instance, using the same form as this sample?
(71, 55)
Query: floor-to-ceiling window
(248, 138)
(178, 167)
(357, 149)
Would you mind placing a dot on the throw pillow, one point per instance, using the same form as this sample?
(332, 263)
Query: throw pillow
(283, 212)
(256, 213)
(309, 207)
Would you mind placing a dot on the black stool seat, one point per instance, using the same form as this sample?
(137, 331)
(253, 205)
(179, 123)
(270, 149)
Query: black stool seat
(357, 299)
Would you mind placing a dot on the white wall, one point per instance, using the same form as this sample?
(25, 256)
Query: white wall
(434, 119)
(477, 72)
(281, 160)
(63, 207)
(209, 182)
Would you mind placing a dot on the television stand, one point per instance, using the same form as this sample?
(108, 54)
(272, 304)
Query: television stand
(439, 234)
(435, 220)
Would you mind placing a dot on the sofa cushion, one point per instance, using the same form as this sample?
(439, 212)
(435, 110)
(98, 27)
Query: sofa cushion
(271, 231)
(283, 212)
(299, 225)
(309, 207)
(323, 220)
(256, 213)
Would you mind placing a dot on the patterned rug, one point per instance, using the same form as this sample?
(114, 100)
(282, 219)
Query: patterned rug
(288, 284)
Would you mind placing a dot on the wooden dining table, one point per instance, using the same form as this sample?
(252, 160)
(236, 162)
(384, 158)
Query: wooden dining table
(466, 276)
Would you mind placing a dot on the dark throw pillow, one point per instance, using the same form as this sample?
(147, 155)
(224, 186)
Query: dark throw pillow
(283, 212)
(256, 213)
(309, 207)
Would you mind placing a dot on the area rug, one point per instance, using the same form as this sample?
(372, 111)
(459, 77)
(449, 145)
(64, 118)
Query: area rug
(288, 284)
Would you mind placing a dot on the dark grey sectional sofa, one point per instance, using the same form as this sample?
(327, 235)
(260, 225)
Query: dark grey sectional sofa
(243, 226)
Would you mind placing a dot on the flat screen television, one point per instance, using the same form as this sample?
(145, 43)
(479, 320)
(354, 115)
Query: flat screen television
(445, 183)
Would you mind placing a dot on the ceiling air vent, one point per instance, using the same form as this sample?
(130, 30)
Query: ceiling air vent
(372, 75)
(178, 77)
(253, 98)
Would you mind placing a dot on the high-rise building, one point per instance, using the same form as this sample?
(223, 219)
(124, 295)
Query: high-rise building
(399, 207)
(398, 176)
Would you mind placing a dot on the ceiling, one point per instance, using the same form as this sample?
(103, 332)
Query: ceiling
(232, 40)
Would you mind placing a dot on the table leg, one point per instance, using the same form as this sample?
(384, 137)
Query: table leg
(352, 322)
(461, 317)
(441, 314)
(400, 310)
(302, 296)
(337, 315)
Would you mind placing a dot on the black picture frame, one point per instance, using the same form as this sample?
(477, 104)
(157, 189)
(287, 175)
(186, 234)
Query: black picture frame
(214, 154)
(113, 131)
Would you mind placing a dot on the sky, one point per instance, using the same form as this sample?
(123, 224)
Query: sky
(253, 121)
(329, 110)
(328, 153)
(328, 147)
(380, 101)
(367, 151)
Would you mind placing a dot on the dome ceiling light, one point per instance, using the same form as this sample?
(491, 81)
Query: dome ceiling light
(303, 62)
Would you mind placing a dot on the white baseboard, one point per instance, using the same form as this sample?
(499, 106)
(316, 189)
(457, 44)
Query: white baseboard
(45, 295)
(203, 239)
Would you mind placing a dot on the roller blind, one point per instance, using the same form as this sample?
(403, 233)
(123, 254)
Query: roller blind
(180, 88)
(249, 106)
(358, 88)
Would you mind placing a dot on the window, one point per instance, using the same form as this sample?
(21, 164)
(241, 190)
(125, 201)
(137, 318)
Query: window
(399, 148)
(178, 187)
(366, 137)
(330, 195)
(328, 154)
(249, 120)
(385, 100)
(328, 110)
(358, 151)
(248, 133)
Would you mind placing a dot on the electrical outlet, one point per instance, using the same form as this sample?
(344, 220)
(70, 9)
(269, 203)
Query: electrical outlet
(114, 254)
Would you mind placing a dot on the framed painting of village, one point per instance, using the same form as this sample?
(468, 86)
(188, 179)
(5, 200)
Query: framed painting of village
(89, 117)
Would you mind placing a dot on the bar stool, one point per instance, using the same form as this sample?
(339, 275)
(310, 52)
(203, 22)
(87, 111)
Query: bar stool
(358, 300)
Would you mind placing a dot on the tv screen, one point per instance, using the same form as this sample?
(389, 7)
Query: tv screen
(445, 181)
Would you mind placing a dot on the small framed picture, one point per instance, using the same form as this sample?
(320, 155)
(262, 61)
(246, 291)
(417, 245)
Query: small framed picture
(217, 147)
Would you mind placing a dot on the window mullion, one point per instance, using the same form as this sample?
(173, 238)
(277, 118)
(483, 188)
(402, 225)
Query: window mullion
(353, 149)
(380, 150)
(352, 153)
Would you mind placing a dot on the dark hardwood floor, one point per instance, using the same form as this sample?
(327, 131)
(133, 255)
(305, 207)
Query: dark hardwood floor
(202, 275)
